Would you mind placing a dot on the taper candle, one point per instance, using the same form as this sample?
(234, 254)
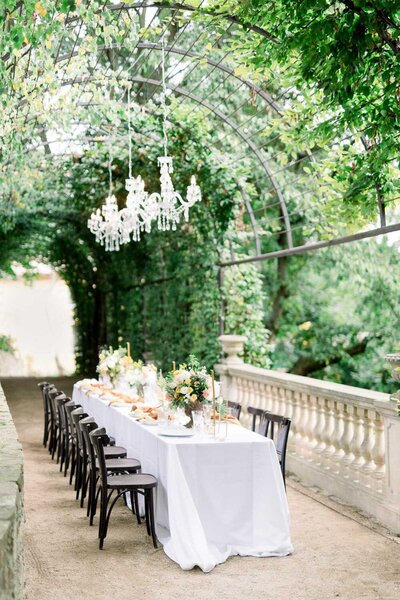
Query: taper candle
(173, 365)
(128, 347)
(213, 398)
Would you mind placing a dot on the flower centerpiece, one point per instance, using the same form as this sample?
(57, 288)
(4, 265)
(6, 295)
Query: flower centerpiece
(189, 386)
(112, 363)
(142, 379)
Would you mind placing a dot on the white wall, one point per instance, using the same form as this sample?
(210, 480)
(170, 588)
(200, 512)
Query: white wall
(39, 318)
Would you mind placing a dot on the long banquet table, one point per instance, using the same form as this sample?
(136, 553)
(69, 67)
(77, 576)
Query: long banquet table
(214, 499)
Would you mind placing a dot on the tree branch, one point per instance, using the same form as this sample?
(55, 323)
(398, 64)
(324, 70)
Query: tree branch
(307, 364)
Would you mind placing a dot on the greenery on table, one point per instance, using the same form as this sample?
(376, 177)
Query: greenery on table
(335, 67)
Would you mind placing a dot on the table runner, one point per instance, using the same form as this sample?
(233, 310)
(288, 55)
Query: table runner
(214, 499)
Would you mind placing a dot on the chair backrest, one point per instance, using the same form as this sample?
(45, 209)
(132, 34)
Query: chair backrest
(65, 416)
(87, 425)
(60, 400)
(236, 409)
(69, 408)
(44, 387)
(51, 393)
(278, 430)
(98, 437)
(257, 418)
(77, 415)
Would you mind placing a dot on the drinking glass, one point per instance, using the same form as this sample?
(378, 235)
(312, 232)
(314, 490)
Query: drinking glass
(198, 421)
(207, 412)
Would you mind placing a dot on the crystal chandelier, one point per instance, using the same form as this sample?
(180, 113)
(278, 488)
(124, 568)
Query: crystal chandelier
(106, 223)
(170, 204)
(166, 206)
(113, 227)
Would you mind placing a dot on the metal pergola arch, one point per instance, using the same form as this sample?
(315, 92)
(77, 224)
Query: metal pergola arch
(236, 128)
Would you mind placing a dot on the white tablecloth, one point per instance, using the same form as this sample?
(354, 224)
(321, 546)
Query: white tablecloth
(214, 499)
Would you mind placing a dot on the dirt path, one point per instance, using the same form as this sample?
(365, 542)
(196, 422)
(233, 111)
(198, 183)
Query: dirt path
(335, 557)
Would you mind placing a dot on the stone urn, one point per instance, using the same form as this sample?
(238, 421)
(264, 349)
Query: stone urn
(394, 361)
(232, 346)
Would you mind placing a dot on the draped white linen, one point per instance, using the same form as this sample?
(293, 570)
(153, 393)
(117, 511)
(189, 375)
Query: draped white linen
(214, 499)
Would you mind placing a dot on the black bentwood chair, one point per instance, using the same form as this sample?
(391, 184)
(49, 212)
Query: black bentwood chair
(113, 465)
(51, 393)
(81, 454)
(257, 423)
(142, 483)
(277, 429)
(236, 409)
(46, 411)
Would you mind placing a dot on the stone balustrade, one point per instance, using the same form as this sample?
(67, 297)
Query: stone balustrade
(343, 439)
(11, 507)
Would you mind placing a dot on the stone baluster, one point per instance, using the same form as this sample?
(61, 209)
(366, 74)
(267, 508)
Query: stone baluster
(358, 439)
(346, 441)
(378, 452)
(337, 456)
(366, 449)
(328, 434)
(301, 442)
(320, 430)
(313, 422)
(248, 395)
(295, 421)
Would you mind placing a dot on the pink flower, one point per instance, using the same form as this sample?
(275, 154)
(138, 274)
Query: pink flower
(205, 393)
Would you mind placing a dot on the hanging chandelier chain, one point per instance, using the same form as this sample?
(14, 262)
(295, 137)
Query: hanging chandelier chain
(164, 97)
(129, 132)
(110, 182)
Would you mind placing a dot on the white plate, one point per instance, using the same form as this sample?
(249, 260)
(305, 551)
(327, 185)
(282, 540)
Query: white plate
(149, 423)
(176, 432)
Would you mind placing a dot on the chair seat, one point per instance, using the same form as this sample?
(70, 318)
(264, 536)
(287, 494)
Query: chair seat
(121, 464)
(133, 482)
(114, 452)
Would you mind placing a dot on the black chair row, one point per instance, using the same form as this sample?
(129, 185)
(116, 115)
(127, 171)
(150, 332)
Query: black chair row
(269, 425)
(99, 470)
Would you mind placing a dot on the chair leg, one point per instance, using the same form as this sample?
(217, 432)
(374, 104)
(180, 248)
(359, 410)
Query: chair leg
(78, 476)
(147, 512)
(72, 472)
(85, 485)
(62, 452)
(152, 520)
(83, 481)
(59, 445)
(103, 517)
(94, 504)
(55, 442)
(67, 455)
(90, 495)
(46, 429)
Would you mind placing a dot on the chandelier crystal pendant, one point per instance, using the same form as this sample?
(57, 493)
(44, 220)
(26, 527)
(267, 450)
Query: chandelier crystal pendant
(106, 223)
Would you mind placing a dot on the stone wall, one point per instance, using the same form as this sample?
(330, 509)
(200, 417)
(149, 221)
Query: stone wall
(11, 507)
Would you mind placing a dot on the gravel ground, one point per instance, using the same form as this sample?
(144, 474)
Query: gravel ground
(335, 556)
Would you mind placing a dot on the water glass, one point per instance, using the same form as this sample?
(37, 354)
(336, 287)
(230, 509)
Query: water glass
(198, 421)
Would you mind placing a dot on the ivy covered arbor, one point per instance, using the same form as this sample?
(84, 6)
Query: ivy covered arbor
(278, 165)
